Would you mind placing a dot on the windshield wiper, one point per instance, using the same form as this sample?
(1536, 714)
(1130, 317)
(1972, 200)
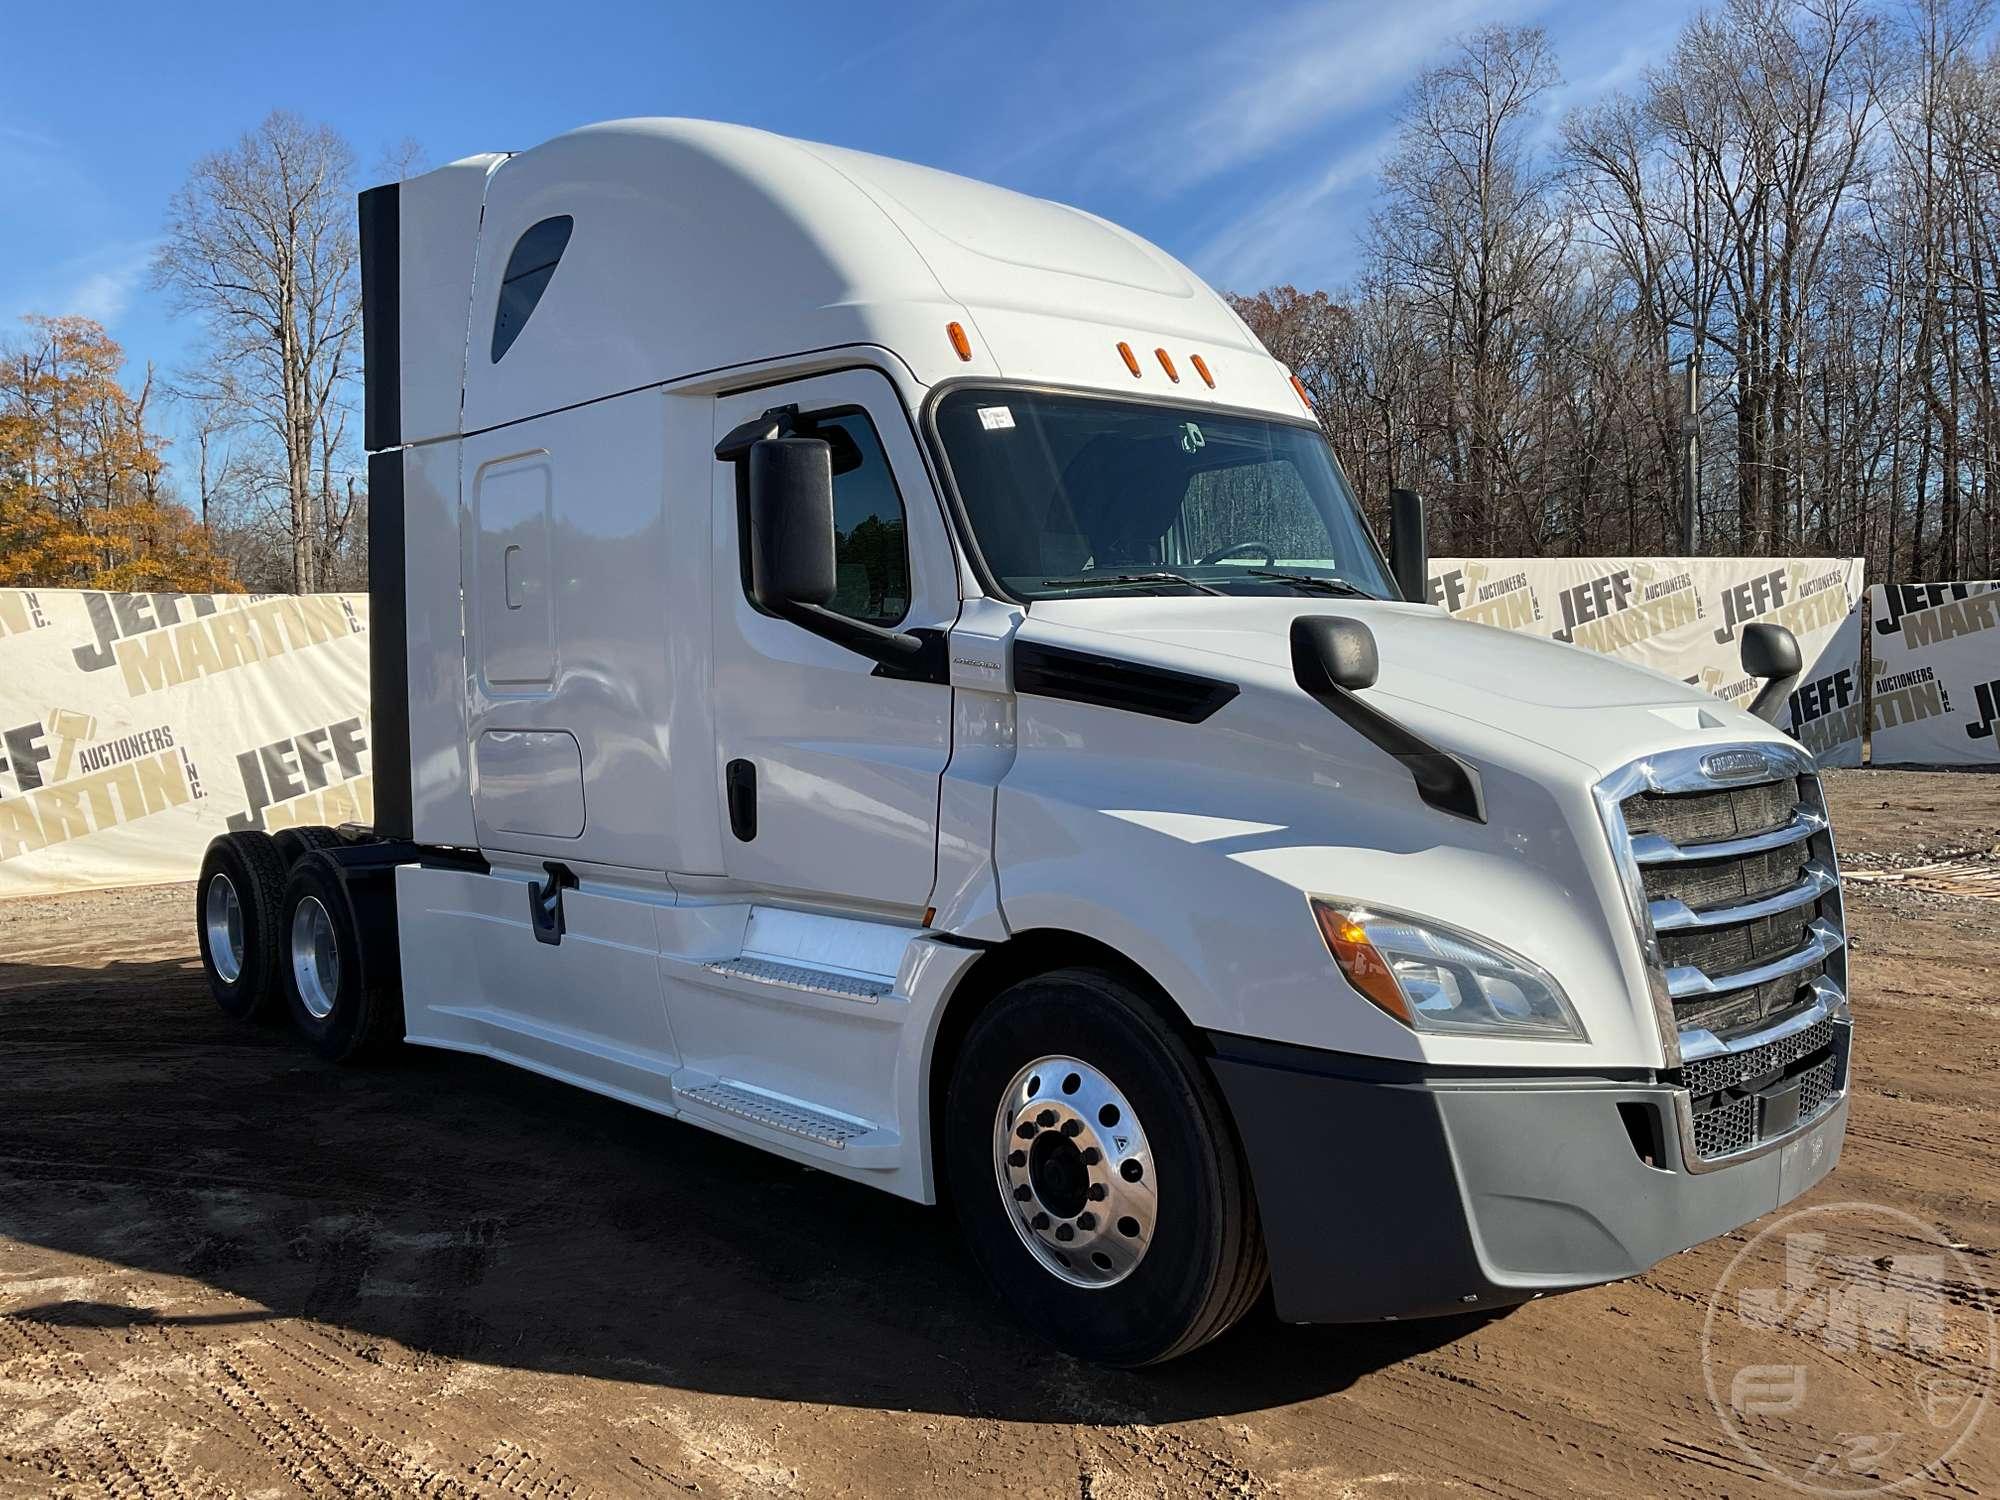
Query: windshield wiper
(1107, 579)
(1308, 580)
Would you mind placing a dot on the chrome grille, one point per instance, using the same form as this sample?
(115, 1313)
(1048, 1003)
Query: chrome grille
(1735, 893)
(1703, 817)
(1729, 882)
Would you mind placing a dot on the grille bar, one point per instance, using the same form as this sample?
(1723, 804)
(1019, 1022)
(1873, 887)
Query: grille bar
(1689, 980)
(1672, 914)
(1657, 849)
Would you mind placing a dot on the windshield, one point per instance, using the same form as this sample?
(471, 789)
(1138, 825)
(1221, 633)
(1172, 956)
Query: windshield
(1074, 495)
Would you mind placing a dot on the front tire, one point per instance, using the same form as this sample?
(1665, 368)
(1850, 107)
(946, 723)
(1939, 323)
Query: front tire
(342, 993)
(237, 904)
(1097, 1177)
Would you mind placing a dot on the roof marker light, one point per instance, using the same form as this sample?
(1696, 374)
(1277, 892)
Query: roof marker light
(1304, 400)
(1201, 369)
(956, 333)
(1131, 359)
(1168, 365)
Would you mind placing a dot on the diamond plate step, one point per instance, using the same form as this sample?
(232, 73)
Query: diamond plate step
(791, 976)
(776, 1114)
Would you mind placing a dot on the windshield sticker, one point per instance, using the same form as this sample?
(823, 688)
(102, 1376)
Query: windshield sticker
(1191, 439)
(995, 418)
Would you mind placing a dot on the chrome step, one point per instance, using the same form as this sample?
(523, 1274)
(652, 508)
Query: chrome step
(778, 973)
(774, 1113)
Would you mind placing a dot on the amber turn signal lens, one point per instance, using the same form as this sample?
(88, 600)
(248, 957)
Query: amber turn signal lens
(1366, 969)
(1304, 400)
(1131, 359)
(956, 333)
(1201, 369)
(1168, 365)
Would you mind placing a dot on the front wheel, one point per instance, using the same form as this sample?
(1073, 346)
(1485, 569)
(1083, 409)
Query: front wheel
(1096, 1174)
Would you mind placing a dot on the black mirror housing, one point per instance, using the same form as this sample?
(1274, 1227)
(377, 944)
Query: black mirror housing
(1771, 654)
(791, 522)
(1333, 650)
(1409, 552)
(1770, 651)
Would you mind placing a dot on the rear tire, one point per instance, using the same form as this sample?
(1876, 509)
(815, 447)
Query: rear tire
(295, 843)
(1074, 1106)
(339, 973)
(237, 903)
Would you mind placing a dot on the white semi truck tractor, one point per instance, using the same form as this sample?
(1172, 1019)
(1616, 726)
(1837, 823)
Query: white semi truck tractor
(889, 670)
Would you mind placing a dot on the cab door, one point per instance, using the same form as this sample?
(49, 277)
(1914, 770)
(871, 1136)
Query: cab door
(829, 769)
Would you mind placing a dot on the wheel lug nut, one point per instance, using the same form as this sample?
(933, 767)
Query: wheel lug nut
(1040, 1221)
(1017, 1158)
(1072, 1127)
(1092, 1156)
(1027, 1130)
(1064, 1232)
(1023, 1193)
(1131, 1171)
(1086, 1221)
(1097, 1192)
(1046, 1118)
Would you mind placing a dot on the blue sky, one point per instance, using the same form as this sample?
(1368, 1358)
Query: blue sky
(1241, 136)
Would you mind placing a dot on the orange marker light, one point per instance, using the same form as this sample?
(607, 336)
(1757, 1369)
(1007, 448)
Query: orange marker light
(1131, 359)
(1201, 369)
(1168, 365)
(1366, 969)
(956, 333)
(1304, 400)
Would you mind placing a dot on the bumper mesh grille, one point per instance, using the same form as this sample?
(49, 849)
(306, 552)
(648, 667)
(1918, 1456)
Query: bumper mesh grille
(1711, 1075)
(1726, 1127)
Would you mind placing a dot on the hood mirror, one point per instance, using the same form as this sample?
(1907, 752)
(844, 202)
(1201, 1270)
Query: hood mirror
(1771, 654)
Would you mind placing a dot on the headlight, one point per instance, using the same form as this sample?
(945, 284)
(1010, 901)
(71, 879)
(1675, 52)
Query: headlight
(1436, 978)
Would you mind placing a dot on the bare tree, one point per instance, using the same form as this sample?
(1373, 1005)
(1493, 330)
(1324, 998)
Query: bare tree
(261, 244)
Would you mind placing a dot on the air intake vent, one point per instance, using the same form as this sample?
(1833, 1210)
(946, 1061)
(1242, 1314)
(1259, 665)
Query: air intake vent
(1109, 682)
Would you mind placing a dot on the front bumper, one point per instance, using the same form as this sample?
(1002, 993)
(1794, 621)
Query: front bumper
(1388, 1193)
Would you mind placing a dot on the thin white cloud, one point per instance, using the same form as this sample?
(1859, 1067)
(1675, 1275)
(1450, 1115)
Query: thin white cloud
(98, 285)
(1296, 226)
(1283, 82)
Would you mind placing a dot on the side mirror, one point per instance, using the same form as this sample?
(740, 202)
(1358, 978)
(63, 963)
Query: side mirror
(791, 522)
(1771, 653)
(1332, 651)
(1409, 555)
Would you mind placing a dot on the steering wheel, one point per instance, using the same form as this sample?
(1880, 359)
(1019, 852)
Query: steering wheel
(1270, 556)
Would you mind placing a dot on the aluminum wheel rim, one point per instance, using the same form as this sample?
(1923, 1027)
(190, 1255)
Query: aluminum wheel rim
(222, 916)
(315, 958)
(1083, 1200)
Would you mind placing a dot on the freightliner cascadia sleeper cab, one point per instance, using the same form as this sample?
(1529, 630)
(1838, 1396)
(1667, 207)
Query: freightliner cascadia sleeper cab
(888, 670)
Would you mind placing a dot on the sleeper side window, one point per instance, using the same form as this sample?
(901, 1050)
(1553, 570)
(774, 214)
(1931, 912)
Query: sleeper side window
(529, 268)
(870, 546)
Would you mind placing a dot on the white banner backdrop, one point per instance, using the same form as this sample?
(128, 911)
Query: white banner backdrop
(136, 727)
(1934, 685)
(1684, 616)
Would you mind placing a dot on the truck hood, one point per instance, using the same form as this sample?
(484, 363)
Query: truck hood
(1457, 683)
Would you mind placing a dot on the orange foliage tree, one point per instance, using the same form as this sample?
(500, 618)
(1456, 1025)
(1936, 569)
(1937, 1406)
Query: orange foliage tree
(81, 503)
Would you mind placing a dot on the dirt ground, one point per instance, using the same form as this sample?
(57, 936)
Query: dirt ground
(228, 1268)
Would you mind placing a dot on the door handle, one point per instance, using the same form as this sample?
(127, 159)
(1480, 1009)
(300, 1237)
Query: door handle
(508, 592)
